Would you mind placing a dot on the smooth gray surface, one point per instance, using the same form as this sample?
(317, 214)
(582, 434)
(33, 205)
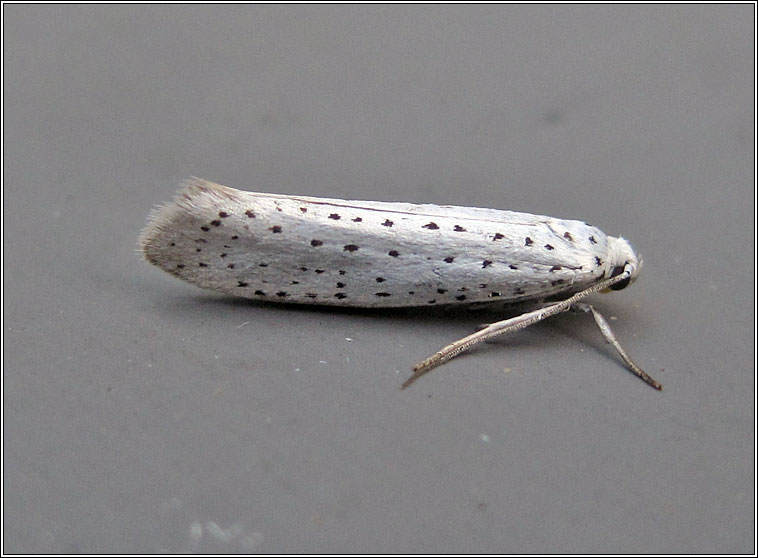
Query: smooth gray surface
(145, 415)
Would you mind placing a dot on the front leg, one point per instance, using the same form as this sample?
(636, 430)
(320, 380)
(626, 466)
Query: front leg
(610, 337)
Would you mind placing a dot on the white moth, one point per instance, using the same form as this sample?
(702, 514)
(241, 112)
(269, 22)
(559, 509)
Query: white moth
(308, 250)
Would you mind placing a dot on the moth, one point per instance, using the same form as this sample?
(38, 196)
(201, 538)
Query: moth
(308, 250)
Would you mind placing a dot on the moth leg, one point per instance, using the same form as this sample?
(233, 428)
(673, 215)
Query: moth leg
(609, 337)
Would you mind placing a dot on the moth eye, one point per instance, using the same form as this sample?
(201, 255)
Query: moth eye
(618, 270)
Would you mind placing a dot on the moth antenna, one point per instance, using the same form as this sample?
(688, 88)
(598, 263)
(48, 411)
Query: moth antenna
(525, 320)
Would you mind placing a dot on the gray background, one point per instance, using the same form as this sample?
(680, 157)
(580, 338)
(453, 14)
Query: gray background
(145, 415)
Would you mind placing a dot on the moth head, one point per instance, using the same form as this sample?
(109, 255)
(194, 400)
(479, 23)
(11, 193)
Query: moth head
(623, 258)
